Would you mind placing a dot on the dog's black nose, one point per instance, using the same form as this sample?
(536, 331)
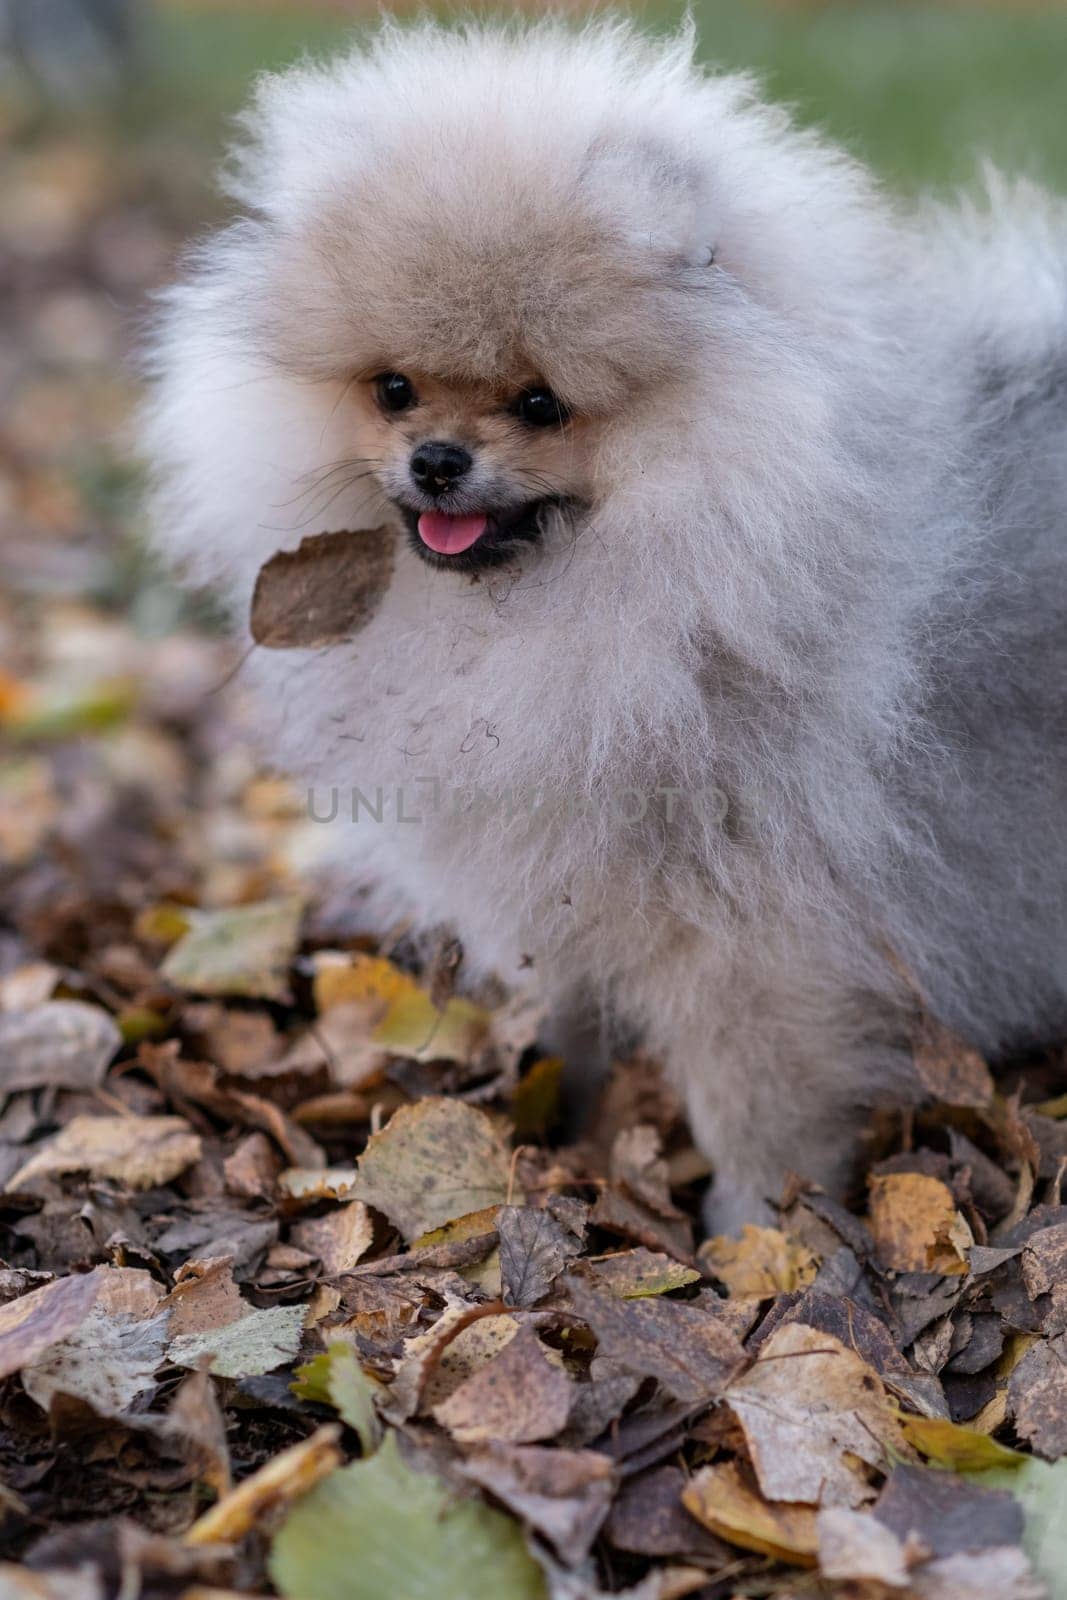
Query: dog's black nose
(438, 467)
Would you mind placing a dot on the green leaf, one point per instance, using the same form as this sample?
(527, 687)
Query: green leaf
(1041, 1489)
(336, 1378)
(946, 1444)
(375, 1530)
(245, 950)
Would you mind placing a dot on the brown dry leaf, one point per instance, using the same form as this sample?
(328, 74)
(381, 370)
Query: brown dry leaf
(111, 1358)
(36, 1321)
(339, 1239)
(243, 950)
(947, 1513)
(140, 1152)
(471, 1349)
(648, 1518)
(308, 1185)
(195, 1419)
(204, 1297)
(688, 1349)
(813, 1413)
(432, 1162)
(534, 1249)
(63, 1044)
(518, 1397)
(563, 1494)
(324, 591)
(855, 1546)
(282, 1481)
(723, 1503)
(916, 1225)
(1037, 1397)
(633, 1274)
(763, 1262)
(949, 1069)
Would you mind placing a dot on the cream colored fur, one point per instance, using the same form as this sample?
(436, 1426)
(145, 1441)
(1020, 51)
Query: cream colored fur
(821, 573)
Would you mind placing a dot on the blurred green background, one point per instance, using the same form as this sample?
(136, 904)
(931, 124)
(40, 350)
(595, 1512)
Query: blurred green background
(114, 112)
(916, 89)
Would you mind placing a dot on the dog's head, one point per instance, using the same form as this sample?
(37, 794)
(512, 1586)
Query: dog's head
(507, 281)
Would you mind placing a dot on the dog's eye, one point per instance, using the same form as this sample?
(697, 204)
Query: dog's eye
(540, 408)
(395, 392)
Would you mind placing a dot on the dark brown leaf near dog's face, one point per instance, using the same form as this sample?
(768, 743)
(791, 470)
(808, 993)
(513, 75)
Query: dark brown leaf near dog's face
(323, 592)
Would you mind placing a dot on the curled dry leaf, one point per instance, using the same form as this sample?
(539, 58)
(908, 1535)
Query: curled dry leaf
(813, 1413)
(520, 1396)
(949, 1069)
(244, 950)
(324, 591)
(311, 1184)
(62, 1044)
(432, 1162)
(916, 1225)
(1037, 1397)
(763, 1262)
(139, 1152)
(281, 1482)
(724, 1503)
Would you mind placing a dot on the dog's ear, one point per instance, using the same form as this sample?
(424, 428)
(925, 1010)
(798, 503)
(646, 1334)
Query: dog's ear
(654, 195)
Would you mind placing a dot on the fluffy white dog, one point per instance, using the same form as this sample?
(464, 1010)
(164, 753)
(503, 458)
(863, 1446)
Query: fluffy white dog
(723, 659)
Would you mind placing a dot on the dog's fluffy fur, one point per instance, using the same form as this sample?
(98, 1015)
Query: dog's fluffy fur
(817, 566)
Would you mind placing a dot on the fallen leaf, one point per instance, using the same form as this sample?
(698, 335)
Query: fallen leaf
(339, 1239)
(855, 1546)
(63, 1044)
(1041, 1491)
(916, 1225)
(688, 1349)
(960, 1449)
(255, 1343)
(245, 950)
(282, 1481)
(947, 1513)
(648, 1518)
(398, 1016)
(324, 591)
(1037, 1397)
(204, 1298)
(112, 1357)
(633, 1274)
(563, 1494)
(377, 1528)
(196, 1421)
(518, 1397)
(950, 1071)
(534, 1249)
(763, 1262)
(36, 1321)
(140, 1152)
(813, 1413)
(336, 1378)
(61, 1583)
(723, 1503)
(310, 1184)
(996, 1574)
(433, 1161)
(535, 1106)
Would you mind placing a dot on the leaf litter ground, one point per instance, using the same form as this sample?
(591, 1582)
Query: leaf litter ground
(300, 1293)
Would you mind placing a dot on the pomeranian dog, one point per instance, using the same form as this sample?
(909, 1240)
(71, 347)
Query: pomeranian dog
(721, 674)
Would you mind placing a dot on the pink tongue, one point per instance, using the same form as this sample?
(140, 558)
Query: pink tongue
(450, 535)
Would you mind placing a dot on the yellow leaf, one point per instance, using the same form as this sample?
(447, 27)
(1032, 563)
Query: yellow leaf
(916, 1225)
(946, 1444)
(284, 1479)
(535, 1106)
(720, 1499)
(762, 1262)
(399, 1016)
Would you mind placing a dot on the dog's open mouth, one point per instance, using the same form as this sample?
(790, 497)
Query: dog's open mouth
(473, 540)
